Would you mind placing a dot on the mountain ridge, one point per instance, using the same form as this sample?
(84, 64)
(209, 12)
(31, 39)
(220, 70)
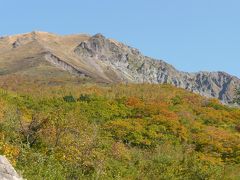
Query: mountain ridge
(105, 60)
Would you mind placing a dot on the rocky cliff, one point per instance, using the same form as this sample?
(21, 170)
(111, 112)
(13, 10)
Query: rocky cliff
(128, 64)
(104, 60)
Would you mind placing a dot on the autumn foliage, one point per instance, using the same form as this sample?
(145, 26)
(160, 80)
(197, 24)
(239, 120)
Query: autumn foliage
(90, 131)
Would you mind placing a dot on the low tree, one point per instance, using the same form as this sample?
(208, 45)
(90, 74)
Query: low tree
(237, 96)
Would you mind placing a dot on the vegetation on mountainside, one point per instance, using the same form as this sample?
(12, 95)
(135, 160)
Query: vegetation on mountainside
(237, 98)
(118, 132)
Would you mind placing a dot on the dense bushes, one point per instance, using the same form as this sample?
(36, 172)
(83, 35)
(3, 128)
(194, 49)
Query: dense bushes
(119, 132)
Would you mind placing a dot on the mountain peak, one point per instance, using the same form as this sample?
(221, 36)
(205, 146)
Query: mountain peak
(99, 36)
(104, 60)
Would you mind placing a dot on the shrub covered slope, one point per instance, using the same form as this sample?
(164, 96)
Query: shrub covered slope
(118, 132)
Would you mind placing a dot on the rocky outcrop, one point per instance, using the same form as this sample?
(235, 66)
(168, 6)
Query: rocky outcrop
(131, 66)
(56, 61)
(7, 172)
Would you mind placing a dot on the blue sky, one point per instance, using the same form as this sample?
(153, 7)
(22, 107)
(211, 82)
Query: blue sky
(192, 35)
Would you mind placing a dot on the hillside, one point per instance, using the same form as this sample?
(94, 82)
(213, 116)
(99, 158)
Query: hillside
(126, 131)
(89, 107)
(42, 55)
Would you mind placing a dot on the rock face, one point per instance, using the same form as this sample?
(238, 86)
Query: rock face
(130, 65)
(7, 172)
(104, 60)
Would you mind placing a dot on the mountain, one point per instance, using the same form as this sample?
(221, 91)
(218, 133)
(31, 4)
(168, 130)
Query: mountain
(102, 60)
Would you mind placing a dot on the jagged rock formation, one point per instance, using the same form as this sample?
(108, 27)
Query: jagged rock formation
(7, 172)
(104, 60)
(130, 65)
